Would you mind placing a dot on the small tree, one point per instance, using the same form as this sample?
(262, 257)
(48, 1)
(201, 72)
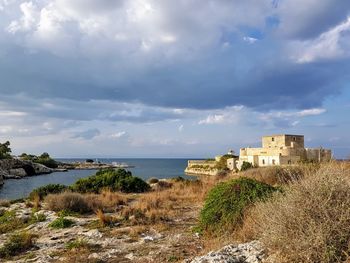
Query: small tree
(5, 150)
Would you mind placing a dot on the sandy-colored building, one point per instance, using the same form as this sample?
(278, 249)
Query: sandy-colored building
(282, 149)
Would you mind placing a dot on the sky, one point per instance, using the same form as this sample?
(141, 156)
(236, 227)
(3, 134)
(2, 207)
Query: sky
(164, 78)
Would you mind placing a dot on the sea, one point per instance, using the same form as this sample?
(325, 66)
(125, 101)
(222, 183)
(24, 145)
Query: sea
(143, 168)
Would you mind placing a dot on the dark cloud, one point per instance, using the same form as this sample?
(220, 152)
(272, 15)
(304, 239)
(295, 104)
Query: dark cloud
(199, 76)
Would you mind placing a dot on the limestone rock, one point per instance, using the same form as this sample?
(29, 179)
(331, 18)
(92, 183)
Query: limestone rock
(251, 252)
(41, 169)
(3, 173)
(16, 169)
(19, 172)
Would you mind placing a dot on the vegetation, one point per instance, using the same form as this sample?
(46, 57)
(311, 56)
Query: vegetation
(73, 202)
(43, 191)
(77, 244)
(43, 159)
(310, 221)
(5, 150)
(116, 180)
(280, 175)
(9, 221)
(246, 165)
(221, 165)
(226, 202)
(61, 222)
(16, 244)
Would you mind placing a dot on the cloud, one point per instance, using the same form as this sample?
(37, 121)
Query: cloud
(87, 135)
(93, 51)
(332, 44)
(285, 119)
(118, 135)
(213, 119)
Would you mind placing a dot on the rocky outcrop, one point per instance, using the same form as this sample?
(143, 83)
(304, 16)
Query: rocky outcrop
(2, 173)
(251, 252)
(16, 169)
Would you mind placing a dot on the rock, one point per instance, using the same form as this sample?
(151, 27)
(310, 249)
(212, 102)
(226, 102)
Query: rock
(93, 234)
(3, 173)
(41, 169)
(19, 172)
(251, 252)
(16, 169)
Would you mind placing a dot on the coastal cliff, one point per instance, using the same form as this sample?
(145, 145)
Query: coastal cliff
(16, 169)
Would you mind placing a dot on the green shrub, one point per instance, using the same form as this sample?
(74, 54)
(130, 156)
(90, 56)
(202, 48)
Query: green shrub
(47, 189)
(77, 244)
(43, 159)
(226, 202)
(61, 222)
(5, 150)
(222, 163)
(246, 165)
(16, 244)
(37, 217)
(116, 180)
(9, 222)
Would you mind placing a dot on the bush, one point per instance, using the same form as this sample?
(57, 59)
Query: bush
(77, 244)
(246, 165)
(226, 202)
(17, 244)
(5, 150)
(9, 221)
(280, 175)
(61, 222)
(46, 190)
(222, 163)
(116, 180)
(73, 202)
(43, 159)
(310, 222)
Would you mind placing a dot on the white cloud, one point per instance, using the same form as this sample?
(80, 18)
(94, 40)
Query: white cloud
(310, 112)
(250, 40)
(12, 114)
(118, 135)
(181, 128)
(332, 44)
(213, 119)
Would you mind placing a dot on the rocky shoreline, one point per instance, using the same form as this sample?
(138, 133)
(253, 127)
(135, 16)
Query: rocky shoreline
(17, 169)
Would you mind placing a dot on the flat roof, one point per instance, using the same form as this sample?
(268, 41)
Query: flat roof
(275, 135)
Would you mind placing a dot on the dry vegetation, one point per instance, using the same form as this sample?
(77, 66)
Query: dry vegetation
(309, 222)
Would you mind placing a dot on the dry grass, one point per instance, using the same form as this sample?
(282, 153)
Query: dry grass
(68, 201)
(105, 220)
(165, 203)
(4, 203)
(107, 201)
(280, 175)
(36, 202)
(310, 222)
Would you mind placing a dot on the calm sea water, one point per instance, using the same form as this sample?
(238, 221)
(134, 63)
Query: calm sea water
(144, 168)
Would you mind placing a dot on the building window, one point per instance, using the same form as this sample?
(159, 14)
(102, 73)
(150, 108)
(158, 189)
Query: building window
(273, 139)
(294, 138)
(273, 162)
(263, 161)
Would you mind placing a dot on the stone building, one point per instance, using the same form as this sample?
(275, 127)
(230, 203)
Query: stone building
(282, 149)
